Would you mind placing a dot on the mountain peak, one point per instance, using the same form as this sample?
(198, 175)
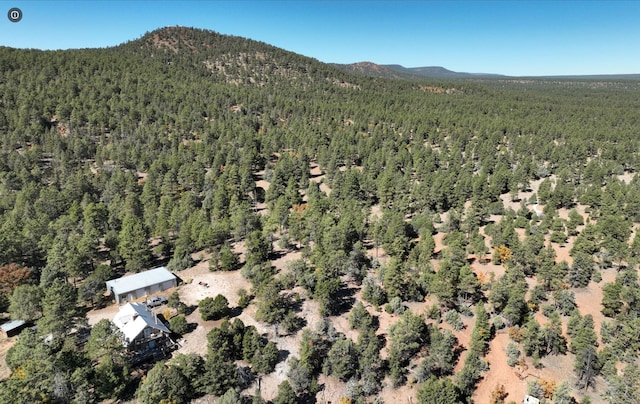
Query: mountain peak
(179, 38)
(232, 59)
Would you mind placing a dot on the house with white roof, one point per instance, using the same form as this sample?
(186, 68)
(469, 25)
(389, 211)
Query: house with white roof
(131, 287)
(141, 328)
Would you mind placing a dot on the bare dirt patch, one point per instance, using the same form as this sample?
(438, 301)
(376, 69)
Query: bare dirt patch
(500, 373)
(515, 380)
(589, 299)
(109, 312)
(203, 283)
(5, 344)
(626, 177)
(376, 211)
(487, 270)
(211, 284)
(317, 176)
(562, 250)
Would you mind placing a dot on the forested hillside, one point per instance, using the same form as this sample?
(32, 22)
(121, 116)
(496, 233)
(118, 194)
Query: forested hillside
(462, 230)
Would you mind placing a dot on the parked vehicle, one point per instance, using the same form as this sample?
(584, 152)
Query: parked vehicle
(156, 301)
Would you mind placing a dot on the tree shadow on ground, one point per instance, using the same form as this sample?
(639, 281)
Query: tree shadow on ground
(307, 398)
(283, 354)
(184, 309)
(277, 254)
(346, 298)
(246, 377)
(235, 312)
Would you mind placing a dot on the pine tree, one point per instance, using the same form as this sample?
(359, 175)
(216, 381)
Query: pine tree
(133, 244)
(220, 374)
(584, 345)
(438, 391)
(286, 395)
(59, 310)
(341, 361)
(555, 342)
(482, 333)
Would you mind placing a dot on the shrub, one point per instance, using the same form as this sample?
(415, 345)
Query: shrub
(433, 312)
(245, 298)
(452, 317)
(179, 325)
(513, 354)
(292, 323)
(547, 310)
(395, 306)
(214, 308)
(173, 300)
(372, 292)
(558, 237)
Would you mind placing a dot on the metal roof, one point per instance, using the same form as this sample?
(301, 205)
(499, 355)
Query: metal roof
(140, 280)
(133, 318)
(12, 325)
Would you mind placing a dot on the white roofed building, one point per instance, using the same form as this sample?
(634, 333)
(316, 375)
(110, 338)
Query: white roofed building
(142, 330)
(11, 328)
(530, 400)
(131, 287)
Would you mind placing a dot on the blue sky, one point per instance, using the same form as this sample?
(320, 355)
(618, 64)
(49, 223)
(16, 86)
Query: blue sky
(506, 37)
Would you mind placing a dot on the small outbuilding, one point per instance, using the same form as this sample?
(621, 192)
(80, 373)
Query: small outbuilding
(142, 284)
(12, 328)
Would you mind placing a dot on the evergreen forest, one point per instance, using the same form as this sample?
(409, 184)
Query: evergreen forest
(440, 234)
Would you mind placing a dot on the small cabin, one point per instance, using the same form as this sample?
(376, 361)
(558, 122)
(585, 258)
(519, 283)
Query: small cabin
(12, 328)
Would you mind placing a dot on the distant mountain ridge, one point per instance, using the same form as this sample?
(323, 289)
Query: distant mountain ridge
(411, 73)
(438, 72)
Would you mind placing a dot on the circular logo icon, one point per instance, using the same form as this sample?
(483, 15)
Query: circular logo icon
(15, 14)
